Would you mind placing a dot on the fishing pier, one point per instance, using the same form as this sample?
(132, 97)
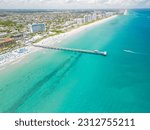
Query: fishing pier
(94, 52)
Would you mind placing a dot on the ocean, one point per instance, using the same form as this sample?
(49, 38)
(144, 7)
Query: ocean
(50, 81)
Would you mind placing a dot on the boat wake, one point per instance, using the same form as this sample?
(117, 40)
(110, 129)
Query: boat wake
(137, 53)
(129, 51)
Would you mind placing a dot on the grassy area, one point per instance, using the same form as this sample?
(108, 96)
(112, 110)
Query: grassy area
(11, 25)
(7, 23)
(57, 31)
(19, 27)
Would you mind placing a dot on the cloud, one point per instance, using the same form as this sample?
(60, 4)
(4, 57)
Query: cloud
(47, 4)
(126, 3)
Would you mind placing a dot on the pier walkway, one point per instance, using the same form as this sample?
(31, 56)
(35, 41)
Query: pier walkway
(95, 52)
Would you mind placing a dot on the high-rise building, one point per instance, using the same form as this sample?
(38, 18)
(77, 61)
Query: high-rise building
(88, 18)
(40, 27)
(94, 16)
(79, 21)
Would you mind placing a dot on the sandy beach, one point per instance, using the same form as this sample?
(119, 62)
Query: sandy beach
(51, 41)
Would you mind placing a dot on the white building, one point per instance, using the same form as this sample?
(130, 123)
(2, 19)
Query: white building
(109, 13)
(88, 18)
(79, 21)
(94, 16)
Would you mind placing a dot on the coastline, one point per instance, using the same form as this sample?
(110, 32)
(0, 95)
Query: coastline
(53, 40)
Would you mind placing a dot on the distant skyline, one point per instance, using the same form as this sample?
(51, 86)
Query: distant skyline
(73, 4)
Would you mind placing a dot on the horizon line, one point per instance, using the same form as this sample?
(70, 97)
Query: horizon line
(70, 8)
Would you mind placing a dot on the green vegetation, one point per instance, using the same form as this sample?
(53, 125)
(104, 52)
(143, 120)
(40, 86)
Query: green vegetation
(32, 34)
(7, 23)
(19, 27)
(57, 31)
(10, 26)
(4, 30)
(8, 47)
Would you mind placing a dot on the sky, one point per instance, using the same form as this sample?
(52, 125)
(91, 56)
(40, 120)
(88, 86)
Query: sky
(72, 4)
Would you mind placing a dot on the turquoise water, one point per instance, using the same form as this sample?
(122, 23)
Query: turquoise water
(57, 81)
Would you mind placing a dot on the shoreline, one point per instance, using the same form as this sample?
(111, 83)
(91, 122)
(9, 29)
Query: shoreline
(15, 55)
